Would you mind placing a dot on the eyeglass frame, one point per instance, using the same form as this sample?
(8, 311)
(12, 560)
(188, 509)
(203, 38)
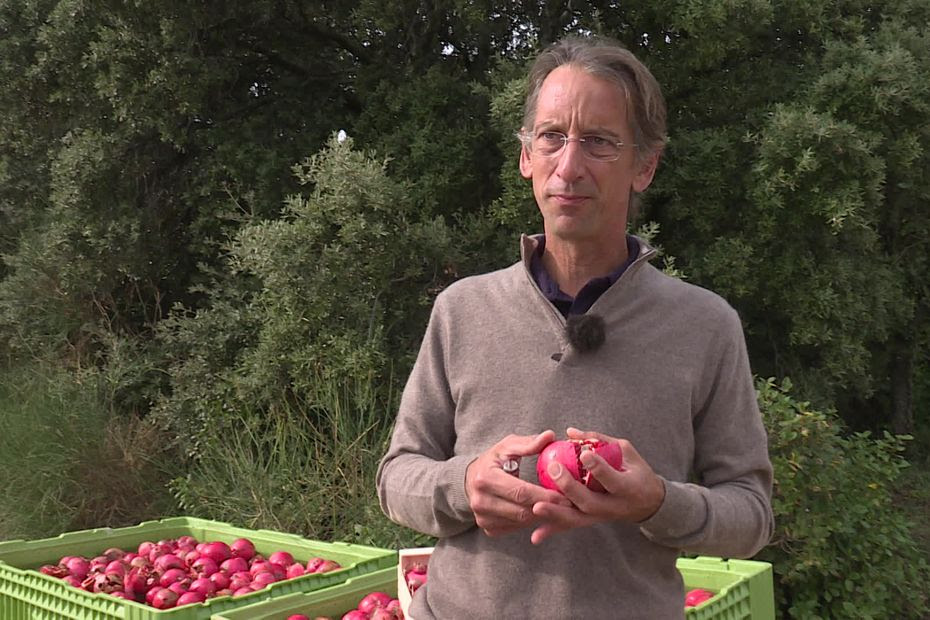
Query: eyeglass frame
(527, 140)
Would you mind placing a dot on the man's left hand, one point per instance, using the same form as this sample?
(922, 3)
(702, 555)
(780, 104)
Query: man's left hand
(632, 495)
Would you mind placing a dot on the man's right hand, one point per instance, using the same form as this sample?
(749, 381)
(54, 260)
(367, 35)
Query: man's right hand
(501, 502)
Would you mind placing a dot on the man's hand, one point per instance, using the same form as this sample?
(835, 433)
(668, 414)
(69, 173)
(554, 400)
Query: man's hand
(633, 495)
(503, 503)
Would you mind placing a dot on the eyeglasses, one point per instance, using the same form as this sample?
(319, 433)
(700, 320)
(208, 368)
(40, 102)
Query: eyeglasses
(551, 144)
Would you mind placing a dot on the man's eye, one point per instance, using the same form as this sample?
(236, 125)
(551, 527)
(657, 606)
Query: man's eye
(597, 141)
(553, 137)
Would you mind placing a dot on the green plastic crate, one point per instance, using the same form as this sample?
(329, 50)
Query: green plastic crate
(333, 601)
(743, 588)
(26, 594)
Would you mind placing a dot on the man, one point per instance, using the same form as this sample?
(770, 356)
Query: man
(582, 335)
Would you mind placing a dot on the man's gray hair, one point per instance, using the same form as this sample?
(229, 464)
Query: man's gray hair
(608, 59)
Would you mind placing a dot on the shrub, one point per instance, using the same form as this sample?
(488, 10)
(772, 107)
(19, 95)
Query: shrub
(840, 548)
(339, 287)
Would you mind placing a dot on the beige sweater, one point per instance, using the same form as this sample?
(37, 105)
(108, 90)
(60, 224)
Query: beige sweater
(672, 377)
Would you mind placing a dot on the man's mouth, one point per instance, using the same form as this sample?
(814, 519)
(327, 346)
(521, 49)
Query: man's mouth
(569, 199)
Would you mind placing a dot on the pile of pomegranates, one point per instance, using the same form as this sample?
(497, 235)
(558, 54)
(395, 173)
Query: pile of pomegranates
(373, 606)
(182, 571)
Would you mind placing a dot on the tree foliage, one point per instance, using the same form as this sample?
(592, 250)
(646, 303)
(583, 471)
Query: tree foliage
(796, 197)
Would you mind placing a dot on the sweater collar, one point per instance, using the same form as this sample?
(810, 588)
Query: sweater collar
(529, 243)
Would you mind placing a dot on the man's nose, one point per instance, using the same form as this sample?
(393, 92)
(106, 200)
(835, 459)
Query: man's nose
(571, 161)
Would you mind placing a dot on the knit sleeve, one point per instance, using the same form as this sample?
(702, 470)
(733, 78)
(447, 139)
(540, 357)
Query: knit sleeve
(727, 510)
(420, 481)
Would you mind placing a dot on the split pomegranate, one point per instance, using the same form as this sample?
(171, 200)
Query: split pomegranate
(567, 452)
(415, 578)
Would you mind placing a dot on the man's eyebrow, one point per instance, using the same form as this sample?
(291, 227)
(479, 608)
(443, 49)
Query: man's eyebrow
(545, 125)
(552, 125)
(602, 131)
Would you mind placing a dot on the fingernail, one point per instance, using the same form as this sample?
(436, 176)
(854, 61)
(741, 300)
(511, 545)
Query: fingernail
(554, 470)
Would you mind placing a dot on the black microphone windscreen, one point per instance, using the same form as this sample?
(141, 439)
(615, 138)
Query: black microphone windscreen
(586, 332)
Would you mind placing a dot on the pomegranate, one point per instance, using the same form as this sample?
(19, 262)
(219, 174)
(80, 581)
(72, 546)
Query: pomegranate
(372, 601)
(204, 567)
(283, 558)
(204, 586)
(103, 582)
(697, 596)
(259, 565)
(116, 566)
(168, 561)
(164, 599)
(295, 570)
(220, 580)
(217, 551)
(264, 578)
(187, 541)
(313, 564)
(188, 556)
(172, 575)
(54, 571)
(135, 583)
(239, 580)
(97, 564)
(77, 567)
(415, 577)
(327, 566)
(242, 548)
(567, 453)
(178, 587)
(278, 571)
(72, 581)
(191, 597)
(355, 614)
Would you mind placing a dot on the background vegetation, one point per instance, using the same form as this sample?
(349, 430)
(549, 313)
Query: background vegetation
(209, 301)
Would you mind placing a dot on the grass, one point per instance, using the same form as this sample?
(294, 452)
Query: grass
(68, 463)
(307, 469)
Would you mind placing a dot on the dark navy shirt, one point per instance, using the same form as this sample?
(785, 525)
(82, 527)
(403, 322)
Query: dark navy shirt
(589, 293)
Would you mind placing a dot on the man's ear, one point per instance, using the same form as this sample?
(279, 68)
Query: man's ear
(526, 164)
(645, 173)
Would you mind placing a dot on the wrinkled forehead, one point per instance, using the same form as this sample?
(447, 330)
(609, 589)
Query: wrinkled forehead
(573, 98)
